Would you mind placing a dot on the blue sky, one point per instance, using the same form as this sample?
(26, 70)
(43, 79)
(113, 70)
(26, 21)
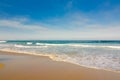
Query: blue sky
(60, 19)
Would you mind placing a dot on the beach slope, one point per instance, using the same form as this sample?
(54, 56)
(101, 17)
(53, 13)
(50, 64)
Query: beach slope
(15, 66)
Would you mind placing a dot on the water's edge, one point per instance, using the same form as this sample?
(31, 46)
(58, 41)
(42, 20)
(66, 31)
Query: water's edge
(52, 58)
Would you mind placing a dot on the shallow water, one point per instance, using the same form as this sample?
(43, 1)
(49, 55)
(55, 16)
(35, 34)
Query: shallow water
(98, 54)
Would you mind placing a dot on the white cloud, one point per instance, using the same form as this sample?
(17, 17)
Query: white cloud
(84, 26)
(70, 26)
(20, 24)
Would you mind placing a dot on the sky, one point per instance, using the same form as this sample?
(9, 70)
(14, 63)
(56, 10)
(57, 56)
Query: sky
(60, 19)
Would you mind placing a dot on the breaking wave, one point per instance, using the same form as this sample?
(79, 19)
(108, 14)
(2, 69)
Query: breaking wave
(3, 41)
(92, 55)
(100, 62)
(29, 43)
(23, 46)
(79, 45)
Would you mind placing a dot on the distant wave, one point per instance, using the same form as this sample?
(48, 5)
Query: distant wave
(79, 45)
(22, 46)
(94, 55)
(98, 46)
(40, 44)
(3, 41)
(47, 44)
(29, 43)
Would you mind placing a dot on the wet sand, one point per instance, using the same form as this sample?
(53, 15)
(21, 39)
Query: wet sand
(15, 66)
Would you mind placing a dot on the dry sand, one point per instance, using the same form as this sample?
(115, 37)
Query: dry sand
(26, 67)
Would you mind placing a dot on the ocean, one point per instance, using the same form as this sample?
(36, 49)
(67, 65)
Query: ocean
(99, 54)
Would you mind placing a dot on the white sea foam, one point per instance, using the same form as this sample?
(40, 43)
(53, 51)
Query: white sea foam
(80, 45)
(29, 43)
(114, 47)
(22, 46)
(47, 44)
(3, 41)
(96, 46)
(98, 62)
(40, 44)
(88, 55)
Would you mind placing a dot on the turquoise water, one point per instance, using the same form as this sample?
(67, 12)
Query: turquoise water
(100, 54)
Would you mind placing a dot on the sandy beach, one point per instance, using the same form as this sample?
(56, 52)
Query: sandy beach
(14, 66)
(59, 39)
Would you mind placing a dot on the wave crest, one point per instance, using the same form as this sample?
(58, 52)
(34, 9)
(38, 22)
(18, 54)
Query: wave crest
(29, 43)
(3, 41)
(92, 63)
(80, 45)
(22, 46)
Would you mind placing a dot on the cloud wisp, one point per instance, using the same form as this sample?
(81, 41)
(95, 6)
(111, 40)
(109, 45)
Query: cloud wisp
(20, 24)
(77, 25)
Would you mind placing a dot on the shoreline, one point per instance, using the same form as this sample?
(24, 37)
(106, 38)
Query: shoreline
(44, 68)
(51, 57)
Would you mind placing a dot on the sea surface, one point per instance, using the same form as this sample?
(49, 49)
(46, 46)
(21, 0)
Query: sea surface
(99, 54)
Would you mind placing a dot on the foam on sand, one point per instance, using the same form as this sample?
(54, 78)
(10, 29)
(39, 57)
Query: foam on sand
(92, 55)
(85, 62)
